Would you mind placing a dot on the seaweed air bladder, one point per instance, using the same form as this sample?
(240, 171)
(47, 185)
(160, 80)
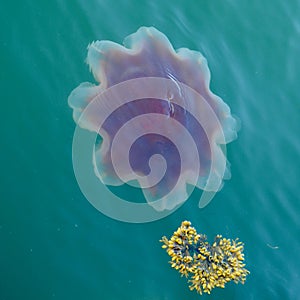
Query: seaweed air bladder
(162, 128)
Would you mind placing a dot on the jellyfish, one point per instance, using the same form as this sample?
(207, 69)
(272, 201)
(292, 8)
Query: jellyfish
(162, 129)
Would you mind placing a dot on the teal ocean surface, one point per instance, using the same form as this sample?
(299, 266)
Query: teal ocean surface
(54, 243)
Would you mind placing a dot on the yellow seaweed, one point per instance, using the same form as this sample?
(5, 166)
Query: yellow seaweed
(207, 266)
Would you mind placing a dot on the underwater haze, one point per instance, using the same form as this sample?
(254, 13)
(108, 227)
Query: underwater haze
(54, 243)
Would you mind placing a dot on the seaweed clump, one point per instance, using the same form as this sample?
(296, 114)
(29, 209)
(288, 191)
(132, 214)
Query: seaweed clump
(207, 266)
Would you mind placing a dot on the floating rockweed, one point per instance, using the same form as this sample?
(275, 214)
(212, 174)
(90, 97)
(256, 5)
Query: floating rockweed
(206, 265)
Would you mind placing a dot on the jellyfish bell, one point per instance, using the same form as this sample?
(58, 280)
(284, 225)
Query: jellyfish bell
(161, 125)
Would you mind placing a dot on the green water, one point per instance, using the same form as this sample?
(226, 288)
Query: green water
(54, 244)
